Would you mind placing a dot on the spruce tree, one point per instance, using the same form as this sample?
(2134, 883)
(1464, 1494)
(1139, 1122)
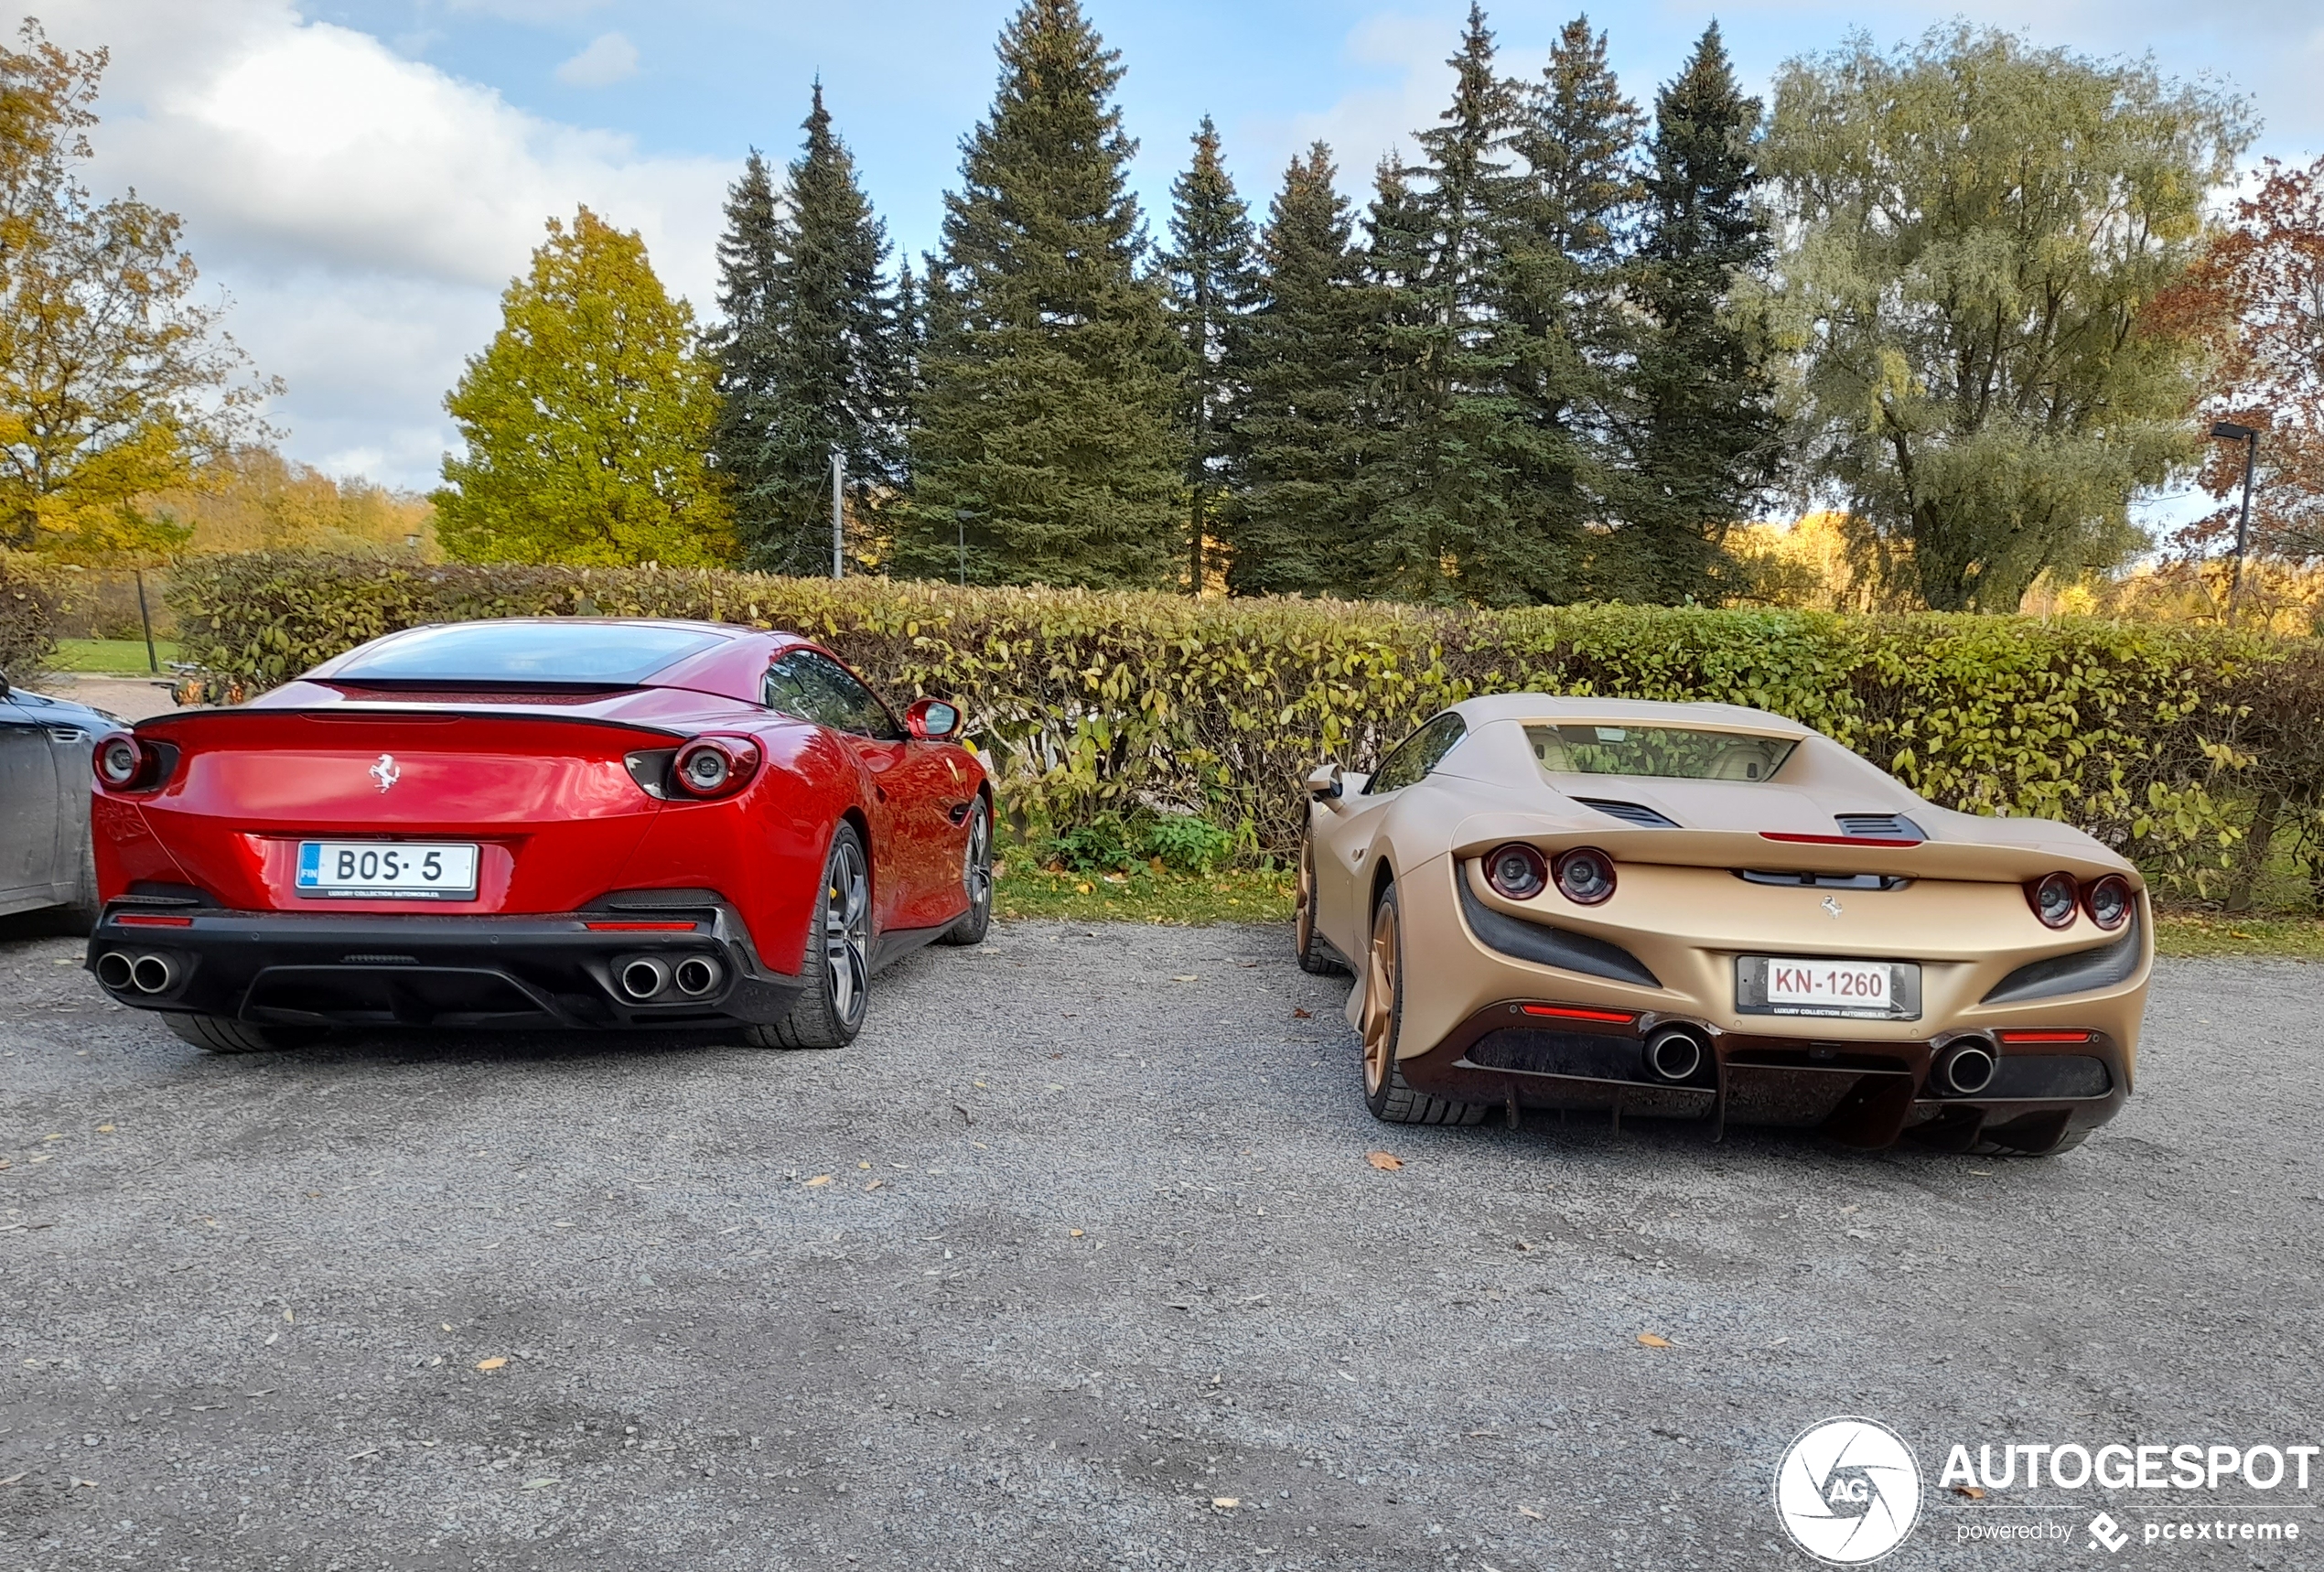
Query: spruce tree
(812, 358)
(1451, 515)
(1709, 445)
(1046, 396)
(1299, 439)
(1211, 285)
(1567, 322)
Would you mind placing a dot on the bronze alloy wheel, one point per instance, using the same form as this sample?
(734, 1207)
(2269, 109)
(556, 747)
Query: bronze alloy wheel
(1313, 953)
(1382, 1003)
(1387, 1093)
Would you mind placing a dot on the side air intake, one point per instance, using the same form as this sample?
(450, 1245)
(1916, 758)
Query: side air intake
(1879, 827)
(1638, 814)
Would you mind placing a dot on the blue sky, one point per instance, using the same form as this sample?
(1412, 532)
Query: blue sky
(363, 176)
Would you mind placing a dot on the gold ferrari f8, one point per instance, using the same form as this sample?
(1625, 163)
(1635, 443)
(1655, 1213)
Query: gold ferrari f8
(1702, 911)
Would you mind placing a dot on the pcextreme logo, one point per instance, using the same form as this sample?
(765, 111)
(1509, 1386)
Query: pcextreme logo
(1848, 1490)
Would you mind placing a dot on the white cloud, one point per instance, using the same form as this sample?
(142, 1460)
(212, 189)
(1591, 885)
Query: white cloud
(538, 12)
(364, 211)
(608, 58)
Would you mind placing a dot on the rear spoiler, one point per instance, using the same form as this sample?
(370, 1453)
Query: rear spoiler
(175, 723)
(2044, 848)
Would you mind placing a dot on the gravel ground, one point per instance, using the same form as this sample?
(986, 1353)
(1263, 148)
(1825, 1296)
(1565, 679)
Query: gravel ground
(1076, 1260)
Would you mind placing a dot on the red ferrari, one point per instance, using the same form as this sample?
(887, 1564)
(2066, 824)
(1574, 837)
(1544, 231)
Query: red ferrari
(537, 823)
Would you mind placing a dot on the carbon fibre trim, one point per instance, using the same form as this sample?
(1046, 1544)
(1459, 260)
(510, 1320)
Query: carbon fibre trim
(2082, 972)
(1547, 946)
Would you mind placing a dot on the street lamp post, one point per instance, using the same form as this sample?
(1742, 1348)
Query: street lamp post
(838, 516)
(959, 535)
(2230, 431)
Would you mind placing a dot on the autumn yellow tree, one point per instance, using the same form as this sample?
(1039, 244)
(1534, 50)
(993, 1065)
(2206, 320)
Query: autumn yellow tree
(588, 418)
(114, 383)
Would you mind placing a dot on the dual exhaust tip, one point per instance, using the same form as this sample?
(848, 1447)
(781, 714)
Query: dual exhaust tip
(127, 972)
(643, 979)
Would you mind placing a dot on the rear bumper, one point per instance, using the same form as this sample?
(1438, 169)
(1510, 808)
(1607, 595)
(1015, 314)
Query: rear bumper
(367, 969)
(1864, 1093)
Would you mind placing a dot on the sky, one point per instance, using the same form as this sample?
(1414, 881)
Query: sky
(361, 179)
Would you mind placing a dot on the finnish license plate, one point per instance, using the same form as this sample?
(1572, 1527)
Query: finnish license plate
(399, 870)
(1820, 986)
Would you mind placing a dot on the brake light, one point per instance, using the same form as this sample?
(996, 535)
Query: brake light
(2108, 901)
(2054, 900)
(1584, 875)
(639, 927)
(1833, 840)
(124, 762)
(2043, 1036)
(1569, 1013)
(146, 920)
(1517, 871)
(715, 766)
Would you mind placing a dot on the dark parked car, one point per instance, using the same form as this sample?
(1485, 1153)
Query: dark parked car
(44, 857)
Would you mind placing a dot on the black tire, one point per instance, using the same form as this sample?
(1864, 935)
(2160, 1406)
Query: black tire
(1315, 955)
(976, 878)
(1391, 1099)
(216, 1034)
(829, 1011)
(78, 915)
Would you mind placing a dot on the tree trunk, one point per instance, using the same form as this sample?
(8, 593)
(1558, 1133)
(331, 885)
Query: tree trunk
(2253, 857)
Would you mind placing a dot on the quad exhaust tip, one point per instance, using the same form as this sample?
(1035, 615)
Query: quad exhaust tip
(1966, 1068)
(643, 977)
(1674, 1054)
(146, 974)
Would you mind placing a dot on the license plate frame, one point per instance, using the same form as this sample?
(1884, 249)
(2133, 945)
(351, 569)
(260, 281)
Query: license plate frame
(1755, 997)
(386, 870)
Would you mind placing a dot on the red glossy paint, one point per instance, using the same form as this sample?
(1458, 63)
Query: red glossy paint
(539, 783)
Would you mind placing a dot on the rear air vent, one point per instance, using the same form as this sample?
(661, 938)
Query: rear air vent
(1879, 827)
(1638, 814)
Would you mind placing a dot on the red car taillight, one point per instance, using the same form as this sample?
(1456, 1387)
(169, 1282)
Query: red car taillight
(127, 763)
(2108, 901)
(715, 766)
(2054, 900)
(1584, 875)
(1517, 871)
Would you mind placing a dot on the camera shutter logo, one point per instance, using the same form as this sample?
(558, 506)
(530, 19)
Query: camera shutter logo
(1848, 1490)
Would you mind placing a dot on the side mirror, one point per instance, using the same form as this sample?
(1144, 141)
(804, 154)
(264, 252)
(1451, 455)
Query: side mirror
(1324, 784)
(932, 720)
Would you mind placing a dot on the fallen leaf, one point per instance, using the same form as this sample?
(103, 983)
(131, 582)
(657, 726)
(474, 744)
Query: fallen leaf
(863, 1165)
(541, 1484)
(1650, 1340)
(1073, 1233)
(1226, 1502)
(1300, 1013)
(1189, 977)
(874, 1185)
(58, 1138)
(91, 1485)
(104, 1130)
(1522, 1246)
(2237, 934)
(818, 1180)
(1081, 890)
(288, 1316)
(359, 1457)
(1385, 1162)
(1528, 1511)
(493, 1363)
(12, 1478)
(447, 1326)
(1972, 1491)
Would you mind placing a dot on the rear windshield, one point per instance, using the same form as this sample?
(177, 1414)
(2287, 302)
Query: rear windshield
(547, 654)
(1671, 752)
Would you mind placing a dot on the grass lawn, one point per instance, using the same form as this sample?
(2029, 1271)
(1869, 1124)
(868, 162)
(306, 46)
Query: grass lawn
(1025, 891)
(109, 657)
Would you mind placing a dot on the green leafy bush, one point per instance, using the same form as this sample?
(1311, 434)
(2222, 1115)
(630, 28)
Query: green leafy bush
(1189, 843)
(1095, 708)
(30, 603)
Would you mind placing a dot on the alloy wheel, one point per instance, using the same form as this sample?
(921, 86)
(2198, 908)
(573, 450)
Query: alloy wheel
(976, 869)
(1381, 981)
(847, 931)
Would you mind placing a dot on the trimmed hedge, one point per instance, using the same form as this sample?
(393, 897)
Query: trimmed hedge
(2152, 737)
(30, 602)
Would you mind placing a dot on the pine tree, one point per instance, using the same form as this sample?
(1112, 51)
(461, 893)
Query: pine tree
(1301, 432)
(1048, 392)
(1212, 286)
(1570, 332)
(812, 358)
(1451, 518)
(586, 418)
(1710, 437)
